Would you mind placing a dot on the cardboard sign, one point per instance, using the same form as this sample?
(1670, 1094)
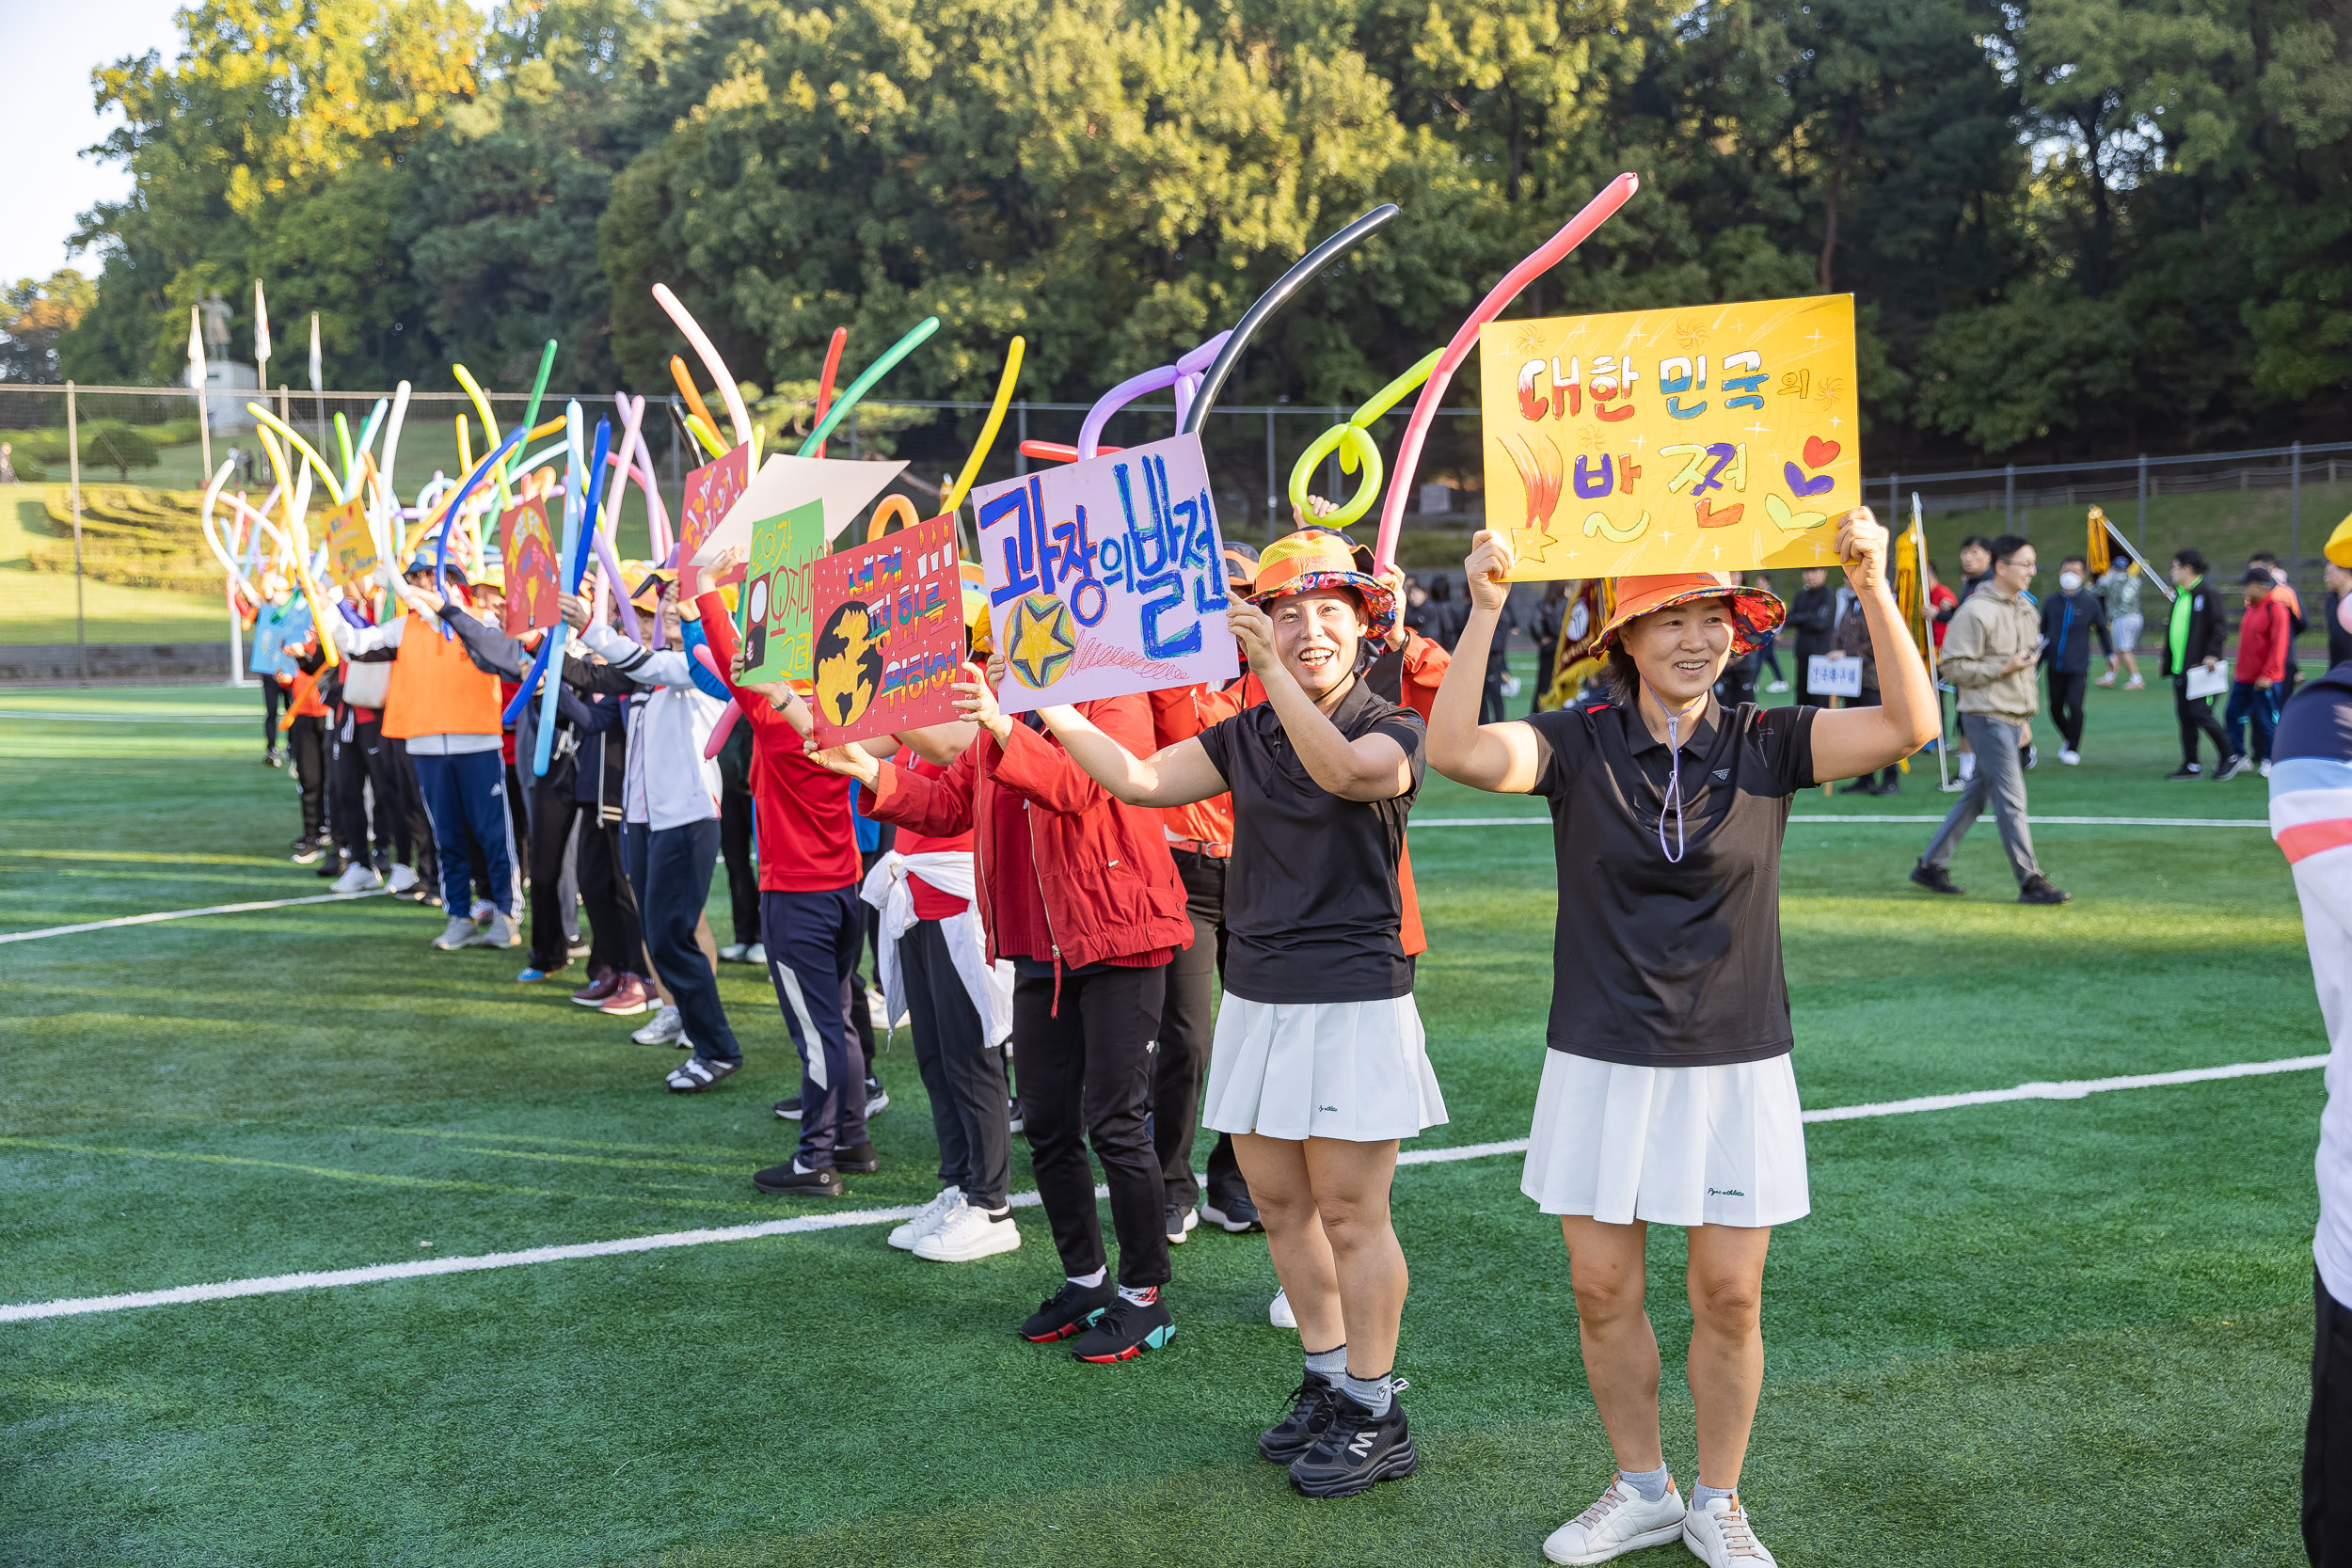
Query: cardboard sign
(350, 544)
(527, 548)
(1825, 676)
(1107, 576)
(712, 492)
(1711, 438)
(775, 594)
(889, 634)
(846, 489)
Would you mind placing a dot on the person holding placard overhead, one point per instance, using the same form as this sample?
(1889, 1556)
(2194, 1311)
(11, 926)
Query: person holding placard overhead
(1667, 1096)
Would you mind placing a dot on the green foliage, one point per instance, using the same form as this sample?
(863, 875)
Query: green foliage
(36, 313)
(131, 535)
(117, 446)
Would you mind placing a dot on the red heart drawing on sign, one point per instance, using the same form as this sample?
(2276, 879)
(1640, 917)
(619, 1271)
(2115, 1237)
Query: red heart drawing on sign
(1713, 516)
(1820, 453)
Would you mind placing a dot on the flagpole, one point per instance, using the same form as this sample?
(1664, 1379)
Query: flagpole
(2117, 534)
(1927, 641)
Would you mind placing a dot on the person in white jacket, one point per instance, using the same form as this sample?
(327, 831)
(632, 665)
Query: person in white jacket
(670, 832)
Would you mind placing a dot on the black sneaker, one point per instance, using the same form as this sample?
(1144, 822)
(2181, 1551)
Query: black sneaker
(1357, 1451)
(1232, 1213)
(786, 1181)
(790, 1109)
(1294, 1433)
(2027, 755)
(2186, 771)
(1067, 1312)
(857, 1158)
(1125, 1330)
(306, 852)
(877, 1098)
(1936, 878)
(2037, 890)
(1012, 1116)
(2232, 767)
(1181, 1220)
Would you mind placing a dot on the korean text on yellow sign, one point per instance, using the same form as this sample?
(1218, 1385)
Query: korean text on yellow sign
(1708, 438)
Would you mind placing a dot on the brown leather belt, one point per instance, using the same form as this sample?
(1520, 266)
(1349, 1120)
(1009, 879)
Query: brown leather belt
(1201, 847)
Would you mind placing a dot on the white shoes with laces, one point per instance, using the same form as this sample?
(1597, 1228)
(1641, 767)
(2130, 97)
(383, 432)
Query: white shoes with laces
(1279, 1311)
(964, 1234)
(1619, 1521)
(666, 1028)
(1717, 1535)
(926, 1219)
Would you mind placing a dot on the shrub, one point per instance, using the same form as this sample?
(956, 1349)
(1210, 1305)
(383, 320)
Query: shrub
(120, 448)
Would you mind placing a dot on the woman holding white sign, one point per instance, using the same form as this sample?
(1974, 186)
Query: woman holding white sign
(1317, 1068)
(1667, 1096)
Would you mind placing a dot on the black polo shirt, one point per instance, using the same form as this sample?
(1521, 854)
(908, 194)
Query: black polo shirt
(1658, 963)
(1313, 911)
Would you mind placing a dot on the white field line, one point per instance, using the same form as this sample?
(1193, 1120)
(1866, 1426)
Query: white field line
(129, 717)
(184, 914)
(2036, 821)
(415, 1268)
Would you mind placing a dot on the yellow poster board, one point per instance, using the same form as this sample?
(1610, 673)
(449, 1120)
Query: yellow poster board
(1705, 439)
(350, 544)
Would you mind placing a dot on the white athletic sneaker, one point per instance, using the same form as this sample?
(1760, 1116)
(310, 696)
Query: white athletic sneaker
(501, 932)
(1279, 1313)
(358, 877)
(460, 933)
(2264, 769)
(402, 879)
(1717, 1535)
(926, 1219)
(664, 1030)
(1777, 687)
(732, 953)
(757, 954)
(965, 1233)
(483, 910)
(2071, 757)
(1619, 1521)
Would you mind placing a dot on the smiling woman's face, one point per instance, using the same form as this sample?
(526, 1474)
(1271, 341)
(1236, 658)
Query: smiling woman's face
(1681, 650)
(1317, 635)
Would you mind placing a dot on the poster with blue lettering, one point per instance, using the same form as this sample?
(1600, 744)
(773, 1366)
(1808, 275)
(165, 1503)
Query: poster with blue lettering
(1107, 577)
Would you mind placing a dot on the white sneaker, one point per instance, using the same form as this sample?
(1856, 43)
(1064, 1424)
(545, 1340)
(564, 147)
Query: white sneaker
(1278, 1313)
(402, 879)
(2264, 769)
(664, 1030)
(2071, 757)
(1777, 687)
(501, 932)
(1619, 1521)
(1717, 1535)
(757, 954)
(458, 933)
(965, 1233)
(483, 910)
(732, 953)
(358, 877)
(926, 1219)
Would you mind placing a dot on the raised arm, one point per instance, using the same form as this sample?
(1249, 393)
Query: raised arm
(1500, 757)
(1850, 741)
(1369, 767)
(1172, 776)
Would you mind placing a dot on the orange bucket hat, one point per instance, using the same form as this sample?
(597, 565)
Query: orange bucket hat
(1314, 559)
(1755, 611)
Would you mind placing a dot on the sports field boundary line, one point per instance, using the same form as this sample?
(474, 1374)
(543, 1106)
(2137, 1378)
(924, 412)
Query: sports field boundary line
(129, 717)
(186, 914)
(1912, 821)
(2077, 1088)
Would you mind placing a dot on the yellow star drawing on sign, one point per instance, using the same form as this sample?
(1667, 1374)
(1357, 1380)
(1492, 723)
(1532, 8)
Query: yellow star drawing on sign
(1043, 641)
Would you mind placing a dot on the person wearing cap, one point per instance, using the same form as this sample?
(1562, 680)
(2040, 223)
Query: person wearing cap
(1667, 1096)
(1318, 1069)
(2337, 570)
(2259, 680)
(445, 708)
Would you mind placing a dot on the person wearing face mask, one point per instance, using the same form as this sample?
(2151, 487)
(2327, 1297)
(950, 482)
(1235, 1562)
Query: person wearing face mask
(2072, 618)
(1667, 1096)
(1318, 1067)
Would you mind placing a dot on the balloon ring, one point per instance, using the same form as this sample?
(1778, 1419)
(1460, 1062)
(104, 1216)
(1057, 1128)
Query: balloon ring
(892, 506)
(1356, 447)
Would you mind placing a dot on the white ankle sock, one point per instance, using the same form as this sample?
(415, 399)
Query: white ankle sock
(1088, 1281)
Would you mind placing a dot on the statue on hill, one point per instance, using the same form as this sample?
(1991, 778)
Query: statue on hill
(215, 313)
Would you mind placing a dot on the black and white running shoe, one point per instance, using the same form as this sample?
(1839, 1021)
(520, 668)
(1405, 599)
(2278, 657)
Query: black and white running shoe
(1067, 1312)
(1310, 1415)
(1357, 1451)
(699, 1073)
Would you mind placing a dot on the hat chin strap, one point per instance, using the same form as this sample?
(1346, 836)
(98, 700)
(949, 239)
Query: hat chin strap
(1673, 777)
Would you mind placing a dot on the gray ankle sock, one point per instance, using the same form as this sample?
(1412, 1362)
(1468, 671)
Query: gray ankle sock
(1330, 1365)
(1651, 1484)
(1702, 1496)
(1373, 1393)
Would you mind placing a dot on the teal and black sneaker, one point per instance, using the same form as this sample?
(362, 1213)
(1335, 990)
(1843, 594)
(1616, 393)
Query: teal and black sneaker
(1067, 1311)
(1125, 1330)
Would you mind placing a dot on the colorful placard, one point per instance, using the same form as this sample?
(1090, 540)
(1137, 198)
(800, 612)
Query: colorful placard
(527, 549)
(1107, 577)
(350, 544)
(712, 492)
(786, 482)
(1707, 438)
(888, 620)
(775, 594)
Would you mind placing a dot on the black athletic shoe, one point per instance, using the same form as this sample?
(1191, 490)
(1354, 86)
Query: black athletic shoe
(1936, 878)
(2232, 767)
(1357, 1451)
(2027, 755)
(790, 1109)
(2186, 771)
(1125, 1330)
(1294, 1433)
(783, 1180)
(2037, 890)
(1068, 1311)
(877, 1098)
(857, 1158)
(1232, 1213)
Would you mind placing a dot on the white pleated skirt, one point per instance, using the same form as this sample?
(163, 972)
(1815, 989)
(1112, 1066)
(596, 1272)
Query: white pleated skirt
(1672, 1145)
(1358, 1072)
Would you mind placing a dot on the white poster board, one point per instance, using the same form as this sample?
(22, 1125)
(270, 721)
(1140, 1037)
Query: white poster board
(1825, 676)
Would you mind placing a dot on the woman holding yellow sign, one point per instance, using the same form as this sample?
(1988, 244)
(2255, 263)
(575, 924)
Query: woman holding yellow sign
(1667, 1095)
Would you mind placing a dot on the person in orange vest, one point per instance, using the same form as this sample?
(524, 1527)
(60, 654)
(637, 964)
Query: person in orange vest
(447, 711)
(306, 738)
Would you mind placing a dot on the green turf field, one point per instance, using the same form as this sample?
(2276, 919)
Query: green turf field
(2035, 1332)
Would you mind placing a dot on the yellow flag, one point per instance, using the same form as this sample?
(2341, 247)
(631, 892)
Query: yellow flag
(2097, 558)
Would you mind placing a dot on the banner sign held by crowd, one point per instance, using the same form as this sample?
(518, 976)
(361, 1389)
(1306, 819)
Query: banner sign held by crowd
(712, 492)
(350, 545)
(888, 620)
(775, 605)
(1107, 576)
(1708, 438)
(527, 544)
(1832, 677)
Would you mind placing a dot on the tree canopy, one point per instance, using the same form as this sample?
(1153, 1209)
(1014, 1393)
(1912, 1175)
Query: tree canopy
(2070, 225)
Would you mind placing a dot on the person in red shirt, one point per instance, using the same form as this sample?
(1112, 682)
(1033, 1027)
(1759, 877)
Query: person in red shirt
(306, 726)
(1078, 892)
(2261, 674)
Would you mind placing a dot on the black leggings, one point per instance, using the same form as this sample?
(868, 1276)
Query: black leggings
(615, 941)
(273, 698)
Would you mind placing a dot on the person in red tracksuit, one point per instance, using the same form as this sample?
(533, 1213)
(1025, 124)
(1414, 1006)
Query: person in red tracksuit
(2259, 681)
(1078, 892)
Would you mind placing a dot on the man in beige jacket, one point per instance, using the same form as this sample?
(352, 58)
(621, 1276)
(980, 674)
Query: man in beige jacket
(1989, 655)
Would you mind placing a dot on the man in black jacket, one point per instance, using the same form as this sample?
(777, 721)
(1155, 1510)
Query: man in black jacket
(2195, 638)
(1813, 616)
(2072, 618)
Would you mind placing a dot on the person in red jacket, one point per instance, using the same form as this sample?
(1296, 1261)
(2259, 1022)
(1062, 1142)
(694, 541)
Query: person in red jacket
(1078, 891)
(2259, 681)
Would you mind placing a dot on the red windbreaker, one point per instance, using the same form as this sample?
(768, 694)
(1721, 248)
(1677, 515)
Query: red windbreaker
(2261, 642)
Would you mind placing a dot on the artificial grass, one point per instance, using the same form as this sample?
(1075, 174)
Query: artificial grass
(2025, 1333)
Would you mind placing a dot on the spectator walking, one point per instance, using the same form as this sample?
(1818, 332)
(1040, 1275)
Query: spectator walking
(2194, 638)
(2072, 618)
(2291, 603)
(1988, 656)
(2260, 683)
(2119, 591)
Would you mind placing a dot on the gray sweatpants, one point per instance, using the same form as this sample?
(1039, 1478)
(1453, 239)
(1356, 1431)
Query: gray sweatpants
(1999, 779)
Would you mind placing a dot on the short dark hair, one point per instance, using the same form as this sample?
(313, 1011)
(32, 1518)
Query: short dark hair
(2263, 558)
(1979, 541)
(2077, 560)
(2191, 557)
(1625, 677)
(2255, 576)
(2008, 545)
